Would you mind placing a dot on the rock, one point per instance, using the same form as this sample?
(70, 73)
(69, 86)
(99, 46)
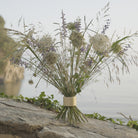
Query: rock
(29, 121)
(11, 79)
(13, 72)
(1, 81)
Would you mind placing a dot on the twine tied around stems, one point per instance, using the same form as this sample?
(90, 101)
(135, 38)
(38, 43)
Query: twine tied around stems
(69, 101)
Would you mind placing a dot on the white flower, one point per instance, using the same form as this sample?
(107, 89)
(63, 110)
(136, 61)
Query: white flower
(101, 43)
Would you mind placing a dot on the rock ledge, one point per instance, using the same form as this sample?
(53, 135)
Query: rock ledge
(28, 121)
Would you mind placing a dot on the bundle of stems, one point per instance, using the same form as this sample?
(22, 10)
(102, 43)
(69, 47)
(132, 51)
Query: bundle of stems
(72, 115)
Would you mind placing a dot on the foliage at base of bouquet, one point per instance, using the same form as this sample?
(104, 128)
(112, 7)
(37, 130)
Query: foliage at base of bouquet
(130, 122)
(43, 100)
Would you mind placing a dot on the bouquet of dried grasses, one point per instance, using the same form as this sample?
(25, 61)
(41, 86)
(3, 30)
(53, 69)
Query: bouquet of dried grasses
(78, 54)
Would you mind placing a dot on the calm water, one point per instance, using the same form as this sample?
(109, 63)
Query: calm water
(96, 97)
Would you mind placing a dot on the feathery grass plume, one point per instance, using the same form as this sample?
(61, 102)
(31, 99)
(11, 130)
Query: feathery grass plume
(69, 61)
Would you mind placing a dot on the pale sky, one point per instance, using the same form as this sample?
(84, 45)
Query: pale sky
(124, 13)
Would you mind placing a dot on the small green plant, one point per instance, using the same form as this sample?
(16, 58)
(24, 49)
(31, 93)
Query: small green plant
(120, 121)
(96, 116)
(113, 121)
(42, 100)
(103, 118)
(131, 123)
(2, 95)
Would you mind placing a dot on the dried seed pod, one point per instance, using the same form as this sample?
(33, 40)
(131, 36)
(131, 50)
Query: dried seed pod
(51, 58)
(30, 82)
(76, 39)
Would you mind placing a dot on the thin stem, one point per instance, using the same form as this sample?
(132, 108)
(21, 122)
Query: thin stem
(72, 62)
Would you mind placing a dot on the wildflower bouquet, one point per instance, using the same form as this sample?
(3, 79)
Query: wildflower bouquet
(77, 55)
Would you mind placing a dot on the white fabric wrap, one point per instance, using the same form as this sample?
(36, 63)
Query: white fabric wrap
(69, 101)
